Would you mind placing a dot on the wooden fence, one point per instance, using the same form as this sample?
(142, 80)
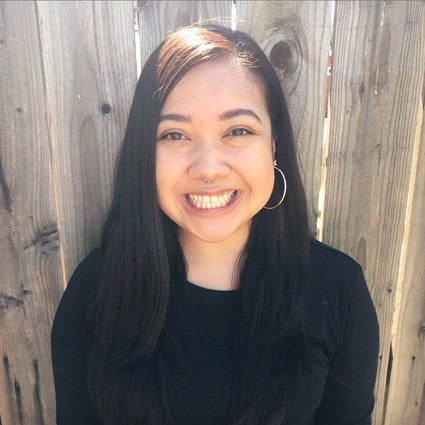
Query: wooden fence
(67, 73)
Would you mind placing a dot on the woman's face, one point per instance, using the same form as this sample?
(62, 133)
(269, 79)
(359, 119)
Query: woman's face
(214, 159)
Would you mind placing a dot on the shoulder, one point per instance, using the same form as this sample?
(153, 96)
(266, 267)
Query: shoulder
(86, 276)
(83, 283)
(344, 336)
(326, 261)
(337, 295)
(332, 272)
(90, 266)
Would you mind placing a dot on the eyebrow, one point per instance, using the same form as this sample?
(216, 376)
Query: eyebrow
(224, 116)
(237, 112)
(174, 117)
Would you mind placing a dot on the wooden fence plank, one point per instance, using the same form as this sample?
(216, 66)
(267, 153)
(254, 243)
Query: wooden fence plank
(90, 67)
(30, 271)
(296, 37)
(73, 63)
(158, 18)
(406, 399)
(377, 80)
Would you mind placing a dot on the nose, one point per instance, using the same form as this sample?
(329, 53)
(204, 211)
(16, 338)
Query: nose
(209, 161)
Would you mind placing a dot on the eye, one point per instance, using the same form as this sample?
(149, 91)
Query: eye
(239, 132)
(173, 136)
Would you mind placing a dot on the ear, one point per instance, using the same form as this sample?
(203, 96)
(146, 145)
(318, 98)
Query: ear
(274, 147)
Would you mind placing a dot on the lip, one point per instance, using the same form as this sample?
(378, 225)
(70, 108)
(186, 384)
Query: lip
(213, 210)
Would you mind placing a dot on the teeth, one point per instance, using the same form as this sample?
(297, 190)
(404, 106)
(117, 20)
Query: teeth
(207, 202)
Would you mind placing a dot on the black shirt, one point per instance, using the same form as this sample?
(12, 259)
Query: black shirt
(337, 387)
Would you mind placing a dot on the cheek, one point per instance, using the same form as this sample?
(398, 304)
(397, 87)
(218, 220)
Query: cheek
(160, 187)
(161, 174)
(167, 179)
(267, 169)
(270, 181)
(170, 163)
(161, 182)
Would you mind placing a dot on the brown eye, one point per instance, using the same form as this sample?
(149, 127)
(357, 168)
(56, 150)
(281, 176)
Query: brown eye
(239, 132)
(173, 135)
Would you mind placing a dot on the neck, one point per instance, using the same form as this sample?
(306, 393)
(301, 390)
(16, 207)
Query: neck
(212, 265)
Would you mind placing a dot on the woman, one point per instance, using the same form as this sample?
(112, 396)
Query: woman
(207, 302)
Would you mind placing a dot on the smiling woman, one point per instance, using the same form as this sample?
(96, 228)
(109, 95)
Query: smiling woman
(228, 142)
(208, 303)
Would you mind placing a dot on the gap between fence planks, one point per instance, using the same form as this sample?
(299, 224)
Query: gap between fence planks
(377, 80)
(406, 398)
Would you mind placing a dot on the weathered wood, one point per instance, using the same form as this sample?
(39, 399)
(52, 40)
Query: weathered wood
(296, 37)
(406, 398)
(90, 72)
(377, 80)
(67, 76)
(30, 270)
(67, 72)
(159, 18)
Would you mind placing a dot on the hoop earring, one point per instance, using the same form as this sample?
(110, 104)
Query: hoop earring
(284, 189)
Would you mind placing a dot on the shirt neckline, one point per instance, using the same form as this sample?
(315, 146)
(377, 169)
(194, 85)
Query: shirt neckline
(207, 294)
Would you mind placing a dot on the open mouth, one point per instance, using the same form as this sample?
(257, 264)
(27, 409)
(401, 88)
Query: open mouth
(204, 202)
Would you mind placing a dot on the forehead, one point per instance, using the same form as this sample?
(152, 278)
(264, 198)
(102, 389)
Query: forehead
(219, 79)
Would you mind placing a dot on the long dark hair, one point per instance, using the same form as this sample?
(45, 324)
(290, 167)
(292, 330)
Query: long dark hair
(132, 354)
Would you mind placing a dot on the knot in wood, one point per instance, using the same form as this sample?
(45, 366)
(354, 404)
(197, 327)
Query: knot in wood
(422, 330)
(105, 108)
(282, 57)
(9, 302)
(48, 242)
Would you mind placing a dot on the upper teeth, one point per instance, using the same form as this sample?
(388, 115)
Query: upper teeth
(205, 201)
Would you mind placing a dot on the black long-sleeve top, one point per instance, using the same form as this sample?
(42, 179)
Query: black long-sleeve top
(337, 388)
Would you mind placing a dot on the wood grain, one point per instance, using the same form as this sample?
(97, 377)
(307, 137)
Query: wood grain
(377, 81)
(296, 37)
(406, 398)
(90, 72)
(159, 18)
(67, 73)
(30, 270)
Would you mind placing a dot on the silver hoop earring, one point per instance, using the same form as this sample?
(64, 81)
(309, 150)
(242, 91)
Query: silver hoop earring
(284, 187)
